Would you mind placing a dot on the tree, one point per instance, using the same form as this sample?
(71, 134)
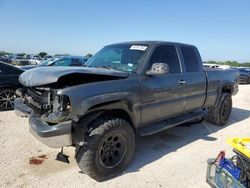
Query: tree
(2, 53)
(42, 54)
(231, 63)
(88, 56)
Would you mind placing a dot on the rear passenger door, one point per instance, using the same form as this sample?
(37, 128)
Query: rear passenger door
(162, 96)
(194, 78)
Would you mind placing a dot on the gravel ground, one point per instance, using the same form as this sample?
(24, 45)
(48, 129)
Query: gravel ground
(174, 158)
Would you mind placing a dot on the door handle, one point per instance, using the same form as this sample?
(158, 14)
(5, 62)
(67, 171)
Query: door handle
(181, 82)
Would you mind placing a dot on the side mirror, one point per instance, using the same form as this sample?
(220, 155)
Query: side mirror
(158, 69)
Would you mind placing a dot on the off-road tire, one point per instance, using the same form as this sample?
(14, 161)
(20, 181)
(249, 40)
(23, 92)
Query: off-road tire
(89, 157)
(219, 115)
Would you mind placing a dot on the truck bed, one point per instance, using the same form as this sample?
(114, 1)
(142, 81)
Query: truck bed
(215, 78)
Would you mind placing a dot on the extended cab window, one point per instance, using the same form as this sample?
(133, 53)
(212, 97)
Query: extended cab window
(168, 55)
(191, 60)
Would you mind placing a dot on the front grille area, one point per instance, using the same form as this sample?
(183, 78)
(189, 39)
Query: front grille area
(33, 99)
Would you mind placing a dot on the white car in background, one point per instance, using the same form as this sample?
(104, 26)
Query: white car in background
(35, 60)
(208, 65)
(216, 66)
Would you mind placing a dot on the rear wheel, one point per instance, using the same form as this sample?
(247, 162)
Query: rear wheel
(7, 97)
(219, 115)
(108, 149)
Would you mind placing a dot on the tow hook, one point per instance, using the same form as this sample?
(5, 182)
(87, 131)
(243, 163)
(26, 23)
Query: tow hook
(62, 157)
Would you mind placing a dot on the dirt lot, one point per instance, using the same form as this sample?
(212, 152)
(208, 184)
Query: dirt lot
(174, 158)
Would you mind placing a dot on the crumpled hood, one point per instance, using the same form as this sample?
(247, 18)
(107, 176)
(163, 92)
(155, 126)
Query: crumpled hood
(47, 75)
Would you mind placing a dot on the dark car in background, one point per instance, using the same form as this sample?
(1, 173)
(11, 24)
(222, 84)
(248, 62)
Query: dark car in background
(62, 61)
(244, 75)
(5, 60)
(8, 84)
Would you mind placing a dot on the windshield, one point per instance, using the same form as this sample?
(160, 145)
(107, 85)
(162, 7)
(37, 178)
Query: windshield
(124, 57)
(48, 61)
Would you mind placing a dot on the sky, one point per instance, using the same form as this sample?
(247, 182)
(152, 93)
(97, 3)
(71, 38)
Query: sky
(219, 28)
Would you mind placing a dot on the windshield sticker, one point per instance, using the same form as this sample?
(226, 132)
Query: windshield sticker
(138, 47)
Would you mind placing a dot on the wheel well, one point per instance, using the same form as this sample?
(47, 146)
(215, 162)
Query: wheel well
(227, 89)
(8, 86)
(118, 113)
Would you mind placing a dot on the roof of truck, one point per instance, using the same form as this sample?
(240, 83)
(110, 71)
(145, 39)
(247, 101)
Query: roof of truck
(151, 42)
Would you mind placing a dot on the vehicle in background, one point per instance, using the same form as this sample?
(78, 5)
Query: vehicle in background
(26, 60)
(8, 84)
(216, 66)
(63, 61)
(47, 57)
(208, 65)
(224, 67)
(35, 60)
(125, 90)
(20, 61)
(244, 75)
(5, 60)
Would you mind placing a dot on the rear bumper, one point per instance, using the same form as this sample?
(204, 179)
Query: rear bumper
(55, 136)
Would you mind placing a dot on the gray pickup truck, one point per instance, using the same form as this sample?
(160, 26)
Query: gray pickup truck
(125, 90)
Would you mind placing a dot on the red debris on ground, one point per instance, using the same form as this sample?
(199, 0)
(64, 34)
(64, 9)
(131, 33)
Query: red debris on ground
(37, 160)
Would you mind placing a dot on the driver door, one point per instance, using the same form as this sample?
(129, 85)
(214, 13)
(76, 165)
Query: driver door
(162, 95)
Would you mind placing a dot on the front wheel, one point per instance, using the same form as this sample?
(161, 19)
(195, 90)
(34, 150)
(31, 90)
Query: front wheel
(219, 115)
(7, 97)
(108, 149)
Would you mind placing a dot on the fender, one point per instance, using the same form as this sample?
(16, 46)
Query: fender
(220, 91)
(115, 101)
(81, 127)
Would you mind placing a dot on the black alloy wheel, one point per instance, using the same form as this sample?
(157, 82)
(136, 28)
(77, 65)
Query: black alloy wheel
(112, 150)
(7, 97)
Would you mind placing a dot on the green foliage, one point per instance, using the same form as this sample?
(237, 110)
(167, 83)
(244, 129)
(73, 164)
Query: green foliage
(231, 63)
(42, 54)
(22, 54)
(2, 53)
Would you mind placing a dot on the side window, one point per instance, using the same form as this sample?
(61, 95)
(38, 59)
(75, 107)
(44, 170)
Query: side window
(168, 55)
(76, 62)
(63, 62)
(190, 59)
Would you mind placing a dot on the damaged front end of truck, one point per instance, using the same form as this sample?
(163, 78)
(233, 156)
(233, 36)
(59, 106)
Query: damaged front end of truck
(49, 110)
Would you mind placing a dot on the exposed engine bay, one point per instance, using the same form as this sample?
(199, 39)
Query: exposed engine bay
(41, 94)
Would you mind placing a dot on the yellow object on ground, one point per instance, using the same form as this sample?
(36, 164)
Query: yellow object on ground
(240, 144)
